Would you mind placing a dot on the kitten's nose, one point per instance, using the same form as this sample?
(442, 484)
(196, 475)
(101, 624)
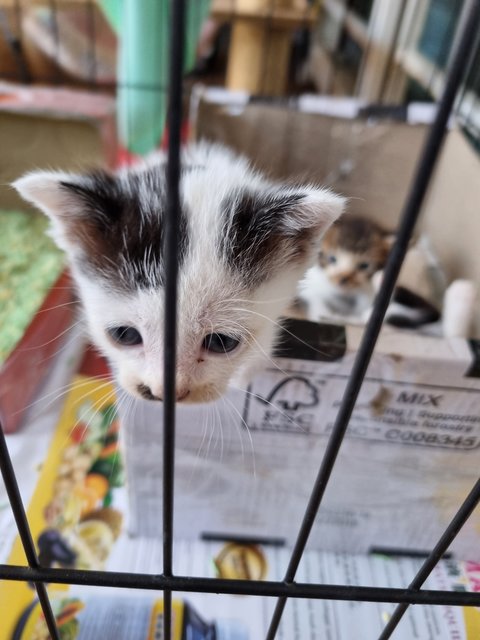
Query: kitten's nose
(181, 393)
(146, 392)
(345, 278)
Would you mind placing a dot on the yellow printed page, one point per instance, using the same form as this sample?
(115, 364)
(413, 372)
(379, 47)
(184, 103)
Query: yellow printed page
(72, 513)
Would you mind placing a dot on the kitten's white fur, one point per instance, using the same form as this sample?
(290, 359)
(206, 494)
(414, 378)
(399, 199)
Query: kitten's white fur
(211, 297)
(329, 302)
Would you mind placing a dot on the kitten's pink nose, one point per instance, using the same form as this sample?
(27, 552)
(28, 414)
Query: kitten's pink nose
(345, 278)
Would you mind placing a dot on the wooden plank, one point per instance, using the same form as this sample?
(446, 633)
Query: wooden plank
(276, 13)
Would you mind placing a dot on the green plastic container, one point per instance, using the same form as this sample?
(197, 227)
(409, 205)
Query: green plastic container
(143, 67)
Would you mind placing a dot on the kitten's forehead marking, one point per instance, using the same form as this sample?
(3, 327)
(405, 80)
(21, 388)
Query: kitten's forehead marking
(354, 234)
(123, 244)
(250, 240)
(122, 232)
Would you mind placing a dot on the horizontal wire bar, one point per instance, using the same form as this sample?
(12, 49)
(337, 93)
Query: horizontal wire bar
(239, 587)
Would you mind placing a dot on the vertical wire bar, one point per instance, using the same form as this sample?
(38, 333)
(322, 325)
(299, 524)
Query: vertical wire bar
(425, 167)
(24, 532)
(171, 240)
(437, 552)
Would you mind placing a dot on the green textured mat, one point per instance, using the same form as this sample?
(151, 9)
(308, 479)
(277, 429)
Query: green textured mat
(29, 265)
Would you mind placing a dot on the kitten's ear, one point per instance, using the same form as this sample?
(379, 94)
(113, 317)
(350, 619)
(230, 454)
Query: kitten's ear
(63, 197)
(389, 239)
(269, 229)
(310, 210)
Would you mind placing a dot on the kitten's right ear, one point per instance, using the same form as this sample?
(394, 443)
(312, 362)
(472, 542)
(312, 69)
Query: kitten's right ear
(53, 192)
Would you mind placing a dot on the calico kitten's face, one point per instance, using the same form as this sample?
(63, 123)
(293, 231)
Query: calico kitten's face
(352, 251)
(245, 243)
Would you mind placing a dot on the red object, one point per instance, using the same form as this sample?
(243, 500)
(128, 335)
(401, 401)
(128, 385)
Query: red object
(79, 433)
(125, 158)
(94, 365)
(184, 135)
(26, 367)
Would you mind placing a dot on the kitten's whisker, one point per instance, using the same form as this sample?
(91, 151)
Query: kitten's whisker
(64, 346)
(283, 328)
(59, 306)
(220, 426)
(262, 350)
(38, 346)
(199, 450)
(237, 427)
(250, 302)
(212, 431)
(99, 402)
(234, 408)
(12, 358)
(274, 406)
(60, 391)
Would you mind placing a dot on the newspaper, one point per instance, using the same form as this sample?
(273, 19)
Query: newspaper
(78, 515)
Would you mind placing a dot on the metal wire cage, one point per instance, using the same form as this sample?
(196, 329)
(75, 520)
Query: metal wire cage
(288, 587)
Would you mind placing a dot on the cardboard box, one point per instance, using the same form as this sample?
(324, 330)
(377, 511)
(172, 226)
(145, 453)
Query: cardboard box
(331, 141)
(367, 153)
(245, 465)
(63, 129)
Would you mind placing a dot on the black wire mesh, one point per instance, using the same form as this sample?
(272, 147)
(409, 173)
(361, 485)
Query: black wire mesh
(287, 588)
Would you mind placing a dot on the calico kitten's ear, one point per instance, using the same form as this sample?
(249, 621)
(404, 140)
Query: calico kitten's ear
(389, 239)
(67, 199)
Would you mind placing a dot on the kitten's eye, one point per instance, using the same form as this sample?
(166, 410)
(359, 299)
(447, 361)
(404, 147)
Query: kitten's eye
(219, 343)
(363, 266)
(332, 259)
(126, 336)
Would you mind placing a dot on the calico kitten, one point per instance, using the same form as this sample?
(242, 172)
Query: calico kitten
(341, 282)
(344, 281)
(245, 243)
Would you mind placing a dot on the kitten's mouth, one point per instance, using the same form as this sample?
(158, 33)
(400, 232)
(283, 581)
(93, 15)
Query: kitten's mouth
(205, 393)
(196, 395)
(346, 286)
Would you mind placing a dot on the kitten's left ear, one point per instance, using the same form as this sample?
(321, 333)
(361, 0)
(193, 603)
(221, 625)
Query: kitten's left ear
(389, 239)
(63, 197)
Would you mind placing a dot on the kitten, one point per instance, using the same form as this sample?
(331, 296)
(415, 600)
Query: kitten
(341, 282)
(245, 244)
(344, 281)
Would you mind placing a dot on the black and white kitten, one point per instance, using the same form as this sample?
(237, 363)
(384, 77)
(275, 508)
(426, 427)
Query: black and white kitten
(245, 244)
